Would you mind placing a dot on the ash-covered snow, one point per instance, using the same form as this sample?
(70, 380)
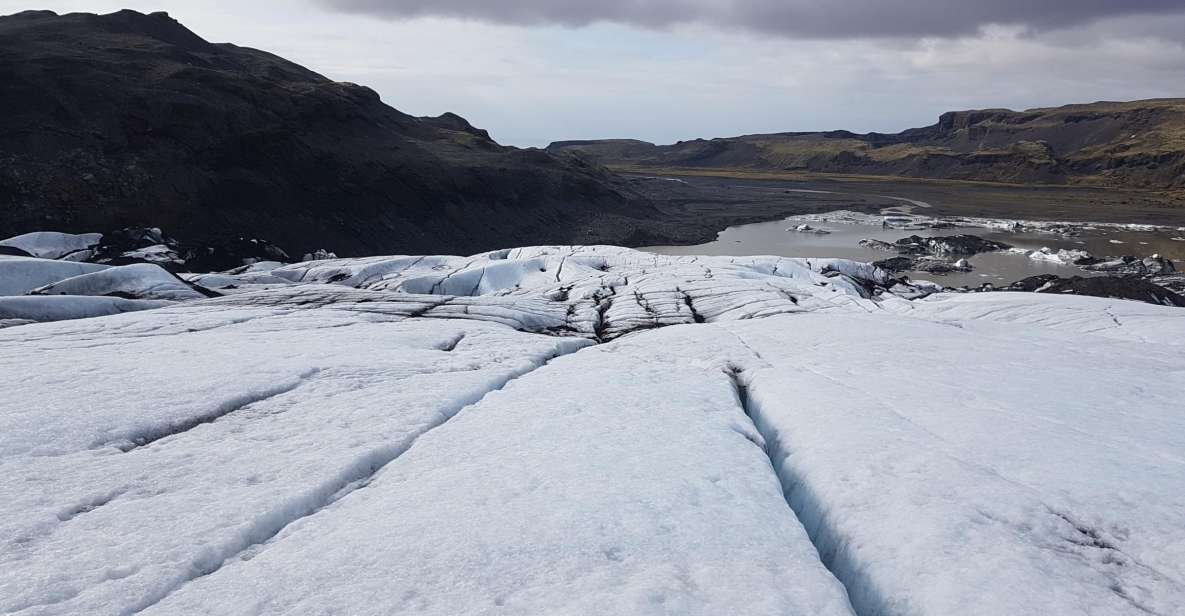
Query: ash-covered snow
(591, 430)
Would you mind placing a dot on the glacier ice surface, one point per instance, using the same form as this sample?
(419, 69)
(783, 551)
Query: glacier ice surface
(590, 430)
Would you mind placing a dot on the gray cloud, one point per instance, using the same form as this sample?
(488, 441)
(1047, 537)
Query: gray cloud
(795, 18)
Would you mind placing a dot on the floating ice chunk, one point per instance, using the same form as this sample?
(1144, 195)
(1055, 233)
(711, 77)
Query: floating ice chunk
(1061, 256)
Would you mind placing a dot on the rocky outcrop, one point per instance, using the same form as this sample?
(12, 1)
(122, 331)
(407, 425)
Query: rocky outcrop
(131, 120)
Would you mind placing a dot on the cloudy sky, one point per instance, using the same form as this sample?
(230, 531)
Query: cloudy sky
(534, 71)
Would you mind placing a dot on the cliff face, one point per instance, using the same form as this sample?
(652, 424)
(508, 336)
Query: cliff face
(132, 120)
(1138, 144)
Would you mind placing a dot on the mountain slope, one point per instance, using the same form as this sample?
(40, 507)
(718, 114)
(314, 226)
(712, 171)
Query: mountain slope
(132, 120)
(1138, 144)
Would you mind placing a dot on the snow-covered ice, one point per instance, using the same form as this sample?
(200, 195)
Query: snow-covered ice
(52, 244)
(138, 281)
(618, 480)
(1008, 479)
(19, 275)
(47, 308)
(591, 430)
(201, 441)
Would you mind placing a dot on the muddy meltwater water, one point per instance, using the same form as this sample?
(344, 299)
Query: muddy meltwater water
(843, 241)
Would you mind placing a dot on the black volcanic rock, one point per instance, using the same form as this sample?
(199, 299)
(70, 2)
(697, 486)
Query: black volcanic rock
(895, 265)
(1155, 265)
(963, 245)
(9, 251)
(1118, 287)
(131, 120)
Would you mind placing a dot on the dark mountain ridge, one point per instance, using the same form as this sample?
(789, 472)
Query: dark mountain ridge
(132, 120)
(1138, 144)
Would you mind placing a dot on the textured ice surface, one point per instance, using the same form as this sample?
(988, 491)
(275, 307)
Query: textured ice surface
(189, 447)
(44, 308)
(616, 480)
(138, 281)
(19, 275)
(51, 244)
(593, 430)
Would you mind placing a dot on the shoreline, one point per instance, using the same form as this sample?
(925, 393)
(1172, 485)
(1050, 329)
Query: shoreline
(703, 204)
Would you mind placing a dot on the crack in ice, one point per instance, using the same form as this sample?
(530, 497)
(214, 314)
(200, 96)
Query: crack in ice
(356, 476)
(152, 435)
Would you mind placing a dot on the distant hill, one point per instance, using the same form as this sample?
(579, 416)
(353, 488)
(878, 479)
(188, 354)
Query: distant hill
(130, 119)
(1137, 144)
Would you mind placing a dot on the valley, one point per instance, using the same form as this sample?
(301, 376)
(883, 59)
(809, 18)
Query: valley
(269, 345)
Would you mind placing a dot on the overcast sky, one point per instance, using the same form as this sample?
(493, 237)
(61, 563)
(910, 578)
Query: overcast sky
(534, 71)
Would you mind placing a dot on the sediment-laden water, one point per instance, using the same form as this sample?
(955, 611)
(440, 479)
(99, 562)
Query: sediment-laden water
(843, 236)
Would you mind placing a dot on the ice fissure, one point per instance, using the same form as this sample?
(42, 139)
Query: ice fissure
(799, 499)
(355, 476)
(622, 478)
(148, 436)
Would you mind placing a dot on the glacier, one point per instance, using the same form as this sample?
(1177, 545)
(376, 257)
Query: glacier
(582, 430)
